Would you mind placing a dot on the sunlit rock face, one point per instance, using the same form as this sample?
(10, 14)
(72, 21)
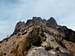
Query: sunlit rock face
(39, 37)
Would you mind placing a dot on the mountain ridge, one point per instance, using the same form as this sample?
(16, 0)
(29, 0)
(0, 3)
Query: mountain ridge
(37, 36)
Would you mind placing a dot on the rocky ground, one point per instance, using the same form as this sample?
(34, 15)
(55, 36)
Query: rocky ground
(39, 37)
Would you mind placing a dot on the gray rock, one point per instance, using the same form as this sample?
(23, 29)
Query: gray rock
(52, 22)
(37, 51)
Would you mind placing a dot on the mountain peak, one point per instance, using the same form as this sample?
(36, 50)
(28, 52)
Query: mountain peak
(39, 37)
(52, 21)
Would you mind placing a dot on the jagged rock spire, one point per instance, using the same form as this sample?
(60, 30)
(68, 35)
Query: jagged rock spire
(36, 21)
(52, 22)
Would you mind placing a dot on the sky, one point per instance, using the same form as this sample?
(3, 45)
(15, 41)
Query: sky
(12, 11)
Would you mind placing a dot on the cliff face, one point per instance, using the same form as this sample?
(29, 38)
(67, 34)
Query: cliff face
(39, 37)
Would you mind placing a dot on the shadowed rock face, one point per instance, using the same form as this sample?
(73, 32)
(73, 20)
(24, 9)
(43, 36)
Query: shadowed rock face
(39, 37)
(52, 22)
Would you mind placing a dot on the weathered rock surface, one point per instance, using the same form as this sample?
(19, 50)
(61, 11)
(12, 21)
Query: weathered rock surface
(52, 22)
(39, 37)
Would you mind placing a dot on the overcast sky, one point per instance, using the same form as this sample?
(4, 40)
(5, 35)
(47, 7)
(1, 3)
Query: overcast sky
(12, 11)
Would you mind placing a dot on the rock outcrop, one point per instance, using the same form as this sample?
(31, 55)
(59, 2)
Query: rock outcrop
(52, 22)
(39, 37)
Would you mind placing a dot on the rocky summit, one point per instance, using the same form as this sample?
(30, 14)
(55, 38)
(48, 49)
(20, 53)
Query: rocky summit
(39, 37)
